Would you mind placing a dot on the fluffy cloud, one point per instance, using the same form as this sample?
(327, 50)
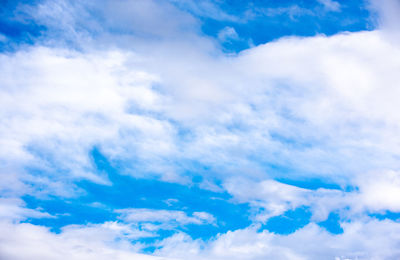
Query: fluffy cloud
(380, 192)
(362, 239)
(106, 241)
(304, 103)
(365, 239)
(14, 209)
(291, 103)
(156, 97)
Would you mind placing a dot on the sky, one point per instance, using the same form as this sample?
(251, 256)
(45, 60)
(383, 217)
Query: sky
(210, 129)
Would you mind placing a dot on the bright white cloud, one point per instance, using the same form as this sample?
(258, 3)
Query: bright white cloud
(364, 239)
(67, 103)
(322, 107)
(109, 240)
(14, 209)
(380, 191)
(307, 103)
(292, 102)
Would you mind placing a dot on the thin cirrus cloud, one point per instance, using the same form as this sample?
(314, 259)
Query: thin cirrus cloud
(140, 90)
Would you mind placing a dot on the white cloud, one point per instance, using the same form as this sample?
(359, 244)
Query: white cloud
(180, 245)
(14, 209)
(364, 239)
(166, 219)
(64, 105)
(322, 107)
(380, 191)
(109, 240)
(273, 197)
(308, 104)
(375, 193)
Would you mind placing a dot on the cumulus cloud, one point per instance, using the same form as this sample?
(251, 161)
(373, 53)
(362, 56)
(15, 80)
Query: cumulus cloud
(249, 243)
(312, 120)
(109, 240)
(154, 95)
(380, 191)
(365, 239)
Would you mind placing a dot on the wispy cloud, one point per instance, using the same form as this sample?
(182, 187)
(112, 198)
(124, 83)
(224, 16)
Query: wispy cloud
(167, 218)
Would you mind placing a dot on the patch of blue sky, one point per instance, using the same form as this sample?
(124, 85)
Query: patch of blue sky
(310, 183)
(99, 203)
(15, 28)
(286, 174)
(293, 220)
(248, 23)
(288, 222)
(395, 216)
(264, 21)
(332, 223)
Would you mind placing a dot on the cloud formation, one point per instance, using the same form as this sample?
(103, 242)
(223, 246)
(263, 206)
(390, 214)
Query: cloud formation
(141, 82)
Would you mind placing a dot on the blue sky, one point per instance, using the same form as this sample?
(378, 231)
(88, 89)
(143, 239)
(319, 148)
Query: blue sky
(208, 129)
